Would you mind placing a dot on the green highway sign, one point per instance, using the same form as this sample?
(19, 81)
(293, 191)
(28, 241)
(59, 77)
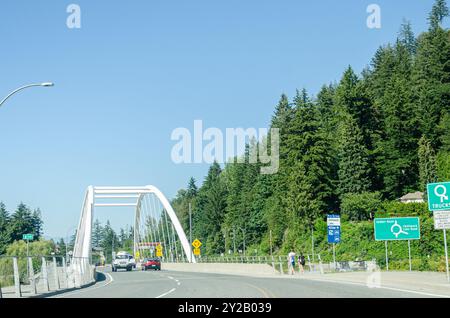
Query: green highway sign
(438, 196)
(27, 237)
(397, 229)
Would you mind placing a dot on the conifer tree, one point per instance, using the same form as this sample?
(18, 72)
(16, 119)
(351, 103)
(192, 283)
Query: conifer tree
(5, 235)
(354, 168)
(427, 163)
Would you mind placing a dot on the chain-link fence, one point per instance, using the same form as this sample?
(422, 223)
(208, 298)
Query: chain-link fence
(24, 276)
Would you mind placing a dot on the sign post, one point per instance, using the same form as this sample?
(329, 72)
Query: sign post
(409, 255)
(387, 258)
(397, 229)
(28, 238)
(446, 254)
(439, 203)
(334, 233)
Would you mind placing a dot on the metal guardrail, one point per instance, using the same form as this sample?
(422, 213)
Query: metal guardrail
(22, 276)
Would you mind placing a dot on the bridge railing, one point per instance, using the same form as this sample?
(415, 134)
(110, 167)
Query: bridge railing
(28, 276)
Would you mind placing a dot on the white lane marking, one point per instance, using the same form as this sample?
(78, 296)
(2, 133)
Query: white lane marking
(178, 283)
(170, 277)
(111, 279)
(167, 293)
(382, 287)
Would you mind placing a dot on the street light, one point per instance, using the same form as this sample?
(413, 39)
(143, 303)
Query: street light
(225, 235)
(243, 232)
(45, 84)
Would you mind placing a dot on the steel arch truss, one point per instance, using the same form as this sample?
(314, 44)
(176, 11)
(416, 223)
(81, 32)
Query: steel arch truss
(83, 241)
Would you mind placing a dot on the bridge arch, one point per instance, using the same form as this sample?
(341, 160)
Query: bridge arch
(83, 241)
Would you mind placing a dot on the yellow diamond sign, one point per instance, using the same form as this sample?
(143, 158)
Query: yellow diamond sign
(196, 243)
(159, 247)
(159, 253)
(196, 251)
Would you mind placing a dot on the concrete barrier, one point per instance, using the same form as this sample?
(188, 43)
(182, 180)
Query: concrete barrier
(221, 268)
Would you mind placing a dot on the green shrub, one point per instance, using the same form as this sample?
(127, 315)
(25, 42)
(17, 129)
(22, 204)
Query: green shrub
(357, 207)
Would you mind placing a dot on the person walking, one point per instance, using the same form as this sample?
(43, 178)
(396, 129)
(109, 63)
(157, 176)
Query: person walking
(291, 263)
(301, 263)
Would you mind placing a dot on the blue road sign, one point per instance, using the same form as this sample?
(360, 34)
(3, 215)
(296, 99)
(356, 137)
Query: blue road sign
(334, 234)
(334, 229)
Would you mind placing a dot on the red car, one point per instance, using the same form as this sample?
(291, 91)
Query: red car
(153, 263)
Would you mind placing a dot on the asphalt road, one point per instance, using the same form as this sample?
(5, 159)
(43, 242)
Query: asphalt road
(158, 284)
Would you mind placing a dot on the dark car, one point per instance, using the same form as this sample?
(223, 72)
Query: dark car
(151, 263)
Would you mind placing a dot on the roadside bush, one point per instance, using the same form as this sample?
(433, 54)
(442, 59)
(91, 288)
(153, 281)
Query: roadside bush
(359, 207)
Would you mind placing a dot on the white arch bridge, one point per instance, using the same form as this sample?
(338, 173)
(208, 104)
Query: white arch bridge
(155, 223)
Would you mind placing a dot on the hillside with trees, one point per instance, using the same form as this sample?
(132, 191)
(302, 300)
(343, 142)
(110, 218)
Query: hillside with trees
(354, 150)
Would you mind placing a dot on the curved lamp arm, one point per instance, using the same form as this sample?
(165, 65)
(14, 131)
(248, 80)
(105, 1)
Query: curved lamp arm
(23, 87)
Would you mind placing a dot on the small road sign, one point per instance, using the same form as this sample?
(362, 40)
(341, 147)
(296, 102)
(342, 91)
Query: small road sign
(159, 247)
(27, 237)
(196, 251)
(196, 243)
(397, 229)
(159, 253)
(438, 196)
(441, 220)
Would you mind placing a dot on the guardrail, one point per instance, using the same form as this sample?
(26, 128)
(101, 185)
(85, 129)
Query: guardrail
(25, 276)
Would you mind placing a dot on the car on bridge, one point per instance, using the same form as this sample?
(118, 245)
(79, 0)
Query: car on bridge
(153, 263)
(123, 260)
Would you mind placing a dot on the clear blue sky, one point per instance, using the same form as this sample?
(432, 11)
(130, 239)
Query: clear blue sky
(136, 70)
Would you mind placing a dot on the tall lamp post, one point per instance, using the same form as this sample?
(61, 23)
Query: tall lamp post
(243, 232)
(47, 84)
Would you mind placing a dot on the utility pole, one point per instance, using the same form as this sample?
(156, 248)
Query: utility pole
(270, 239)
(234, 240)
(312, 242)
(190, 224)
(243, 232)
(112, 247)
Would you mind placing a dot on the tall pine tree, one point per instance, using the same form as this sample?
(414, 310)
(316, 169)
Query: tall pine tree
(354, 170)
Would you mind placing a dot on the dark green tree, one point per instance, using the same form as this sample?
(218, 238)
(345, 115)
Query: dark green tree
(110, 242)
(61, 247)
(407, 37)
(354, 170)
(5, 236)
(427, 163)
(37, 224)
(438, 13)
(308, 164)
(210, 212)
(431, 76)
(97, 232)
(21, 222)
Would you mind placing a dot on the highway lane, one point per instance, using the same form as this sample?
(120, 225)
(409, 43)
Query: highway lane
(159, 284)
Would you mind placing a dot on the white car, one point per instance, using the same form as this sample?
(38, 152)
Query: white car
(123, 260)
